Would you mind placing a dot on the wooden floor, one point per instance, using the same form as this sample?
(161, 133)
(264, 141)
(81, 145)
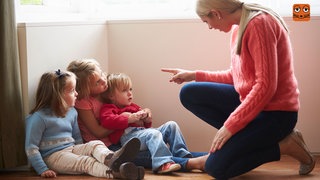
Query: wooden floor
(286, 168)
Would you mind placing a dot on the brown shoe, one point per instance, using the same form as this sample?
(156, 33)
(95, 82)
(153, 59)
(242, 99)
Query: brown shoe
(295, 146)
(305, 168)
(126, 154)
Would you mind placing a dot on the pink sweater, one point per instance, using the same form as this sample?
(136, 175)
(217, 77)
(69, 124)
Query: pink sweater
(262, 74)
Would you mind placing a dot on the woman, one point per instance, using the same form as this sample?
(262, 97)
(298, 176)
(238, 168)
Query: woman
(254, 104)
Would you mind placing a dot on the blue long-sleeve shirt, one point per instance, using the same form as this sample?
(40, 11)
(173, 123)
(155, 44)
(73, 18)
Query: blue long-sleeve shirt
(47, 133)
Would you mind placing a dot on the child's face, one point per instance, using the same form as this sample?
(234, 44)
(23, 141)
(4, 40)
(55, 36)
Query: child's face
(70, 93)
(98, 83)
(122, 97)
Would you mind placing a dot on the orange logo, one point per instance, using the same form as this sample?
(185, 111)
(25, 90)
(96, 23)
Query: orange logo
(301, 12)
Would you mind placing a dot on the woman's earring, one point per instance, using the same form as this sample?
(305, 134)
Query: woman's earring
(219, 17)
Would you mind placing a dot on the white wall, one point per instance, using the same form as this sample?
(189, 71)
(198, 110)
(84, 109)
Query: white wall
(141, 48)
(51, 46)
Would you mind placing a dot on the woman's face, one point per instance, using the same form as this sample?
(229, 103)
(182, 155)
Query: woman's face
(215, 20)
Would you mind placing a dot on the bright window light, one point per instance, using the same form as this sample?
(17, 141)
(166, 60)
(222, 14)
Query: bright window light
(84, 10)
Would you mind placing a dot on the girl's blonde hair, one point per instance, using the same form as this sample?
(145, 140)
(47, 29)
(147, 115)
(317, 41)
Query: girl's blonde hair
(84, 69)
(50, 92)
(249, 10)
(117, 81)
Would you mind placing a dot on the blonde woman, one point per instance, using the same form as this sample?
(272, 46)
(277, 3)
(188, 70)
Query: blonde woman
(254, 104)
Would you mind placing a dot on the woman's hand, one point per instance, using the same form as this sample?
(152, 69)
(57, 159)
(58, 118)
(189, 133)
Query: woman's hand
(222, 136)
(48, 174)
(180, 75)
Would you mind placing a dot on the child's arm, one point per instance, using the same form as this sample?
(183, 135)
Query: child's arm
(35, 128)
(76, 134)
(89, 120)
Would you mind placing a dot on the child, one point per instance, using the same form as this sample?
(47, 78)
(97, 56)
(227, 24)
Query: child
(128, 120)
(53, 141)
(91, 82)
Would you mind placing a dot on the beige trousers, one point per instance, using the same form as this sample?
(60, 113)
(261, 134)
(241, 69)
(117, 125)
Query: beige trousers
(85, 158)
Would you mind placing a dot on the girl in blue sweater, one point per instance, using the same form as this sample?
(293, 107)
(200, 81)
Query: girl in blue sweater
(53, 140)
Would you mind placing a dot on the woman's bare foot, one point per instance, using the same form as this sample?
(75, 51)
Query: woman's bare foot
(197, 163)
(294, 146)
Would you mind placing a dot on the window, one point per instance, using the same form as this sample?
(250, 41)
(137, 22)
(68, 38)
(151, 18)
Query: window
(71, 10)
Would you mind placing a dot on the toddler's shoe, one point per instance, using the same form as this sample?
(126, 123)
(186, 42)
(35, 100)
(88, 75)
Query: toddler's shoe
(126, 154)
(168, 168)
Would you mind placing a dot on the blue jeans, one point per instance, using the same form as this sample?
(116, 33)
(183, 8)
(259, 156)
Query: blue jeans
(157, 152)
(156, 140)
(256, 144)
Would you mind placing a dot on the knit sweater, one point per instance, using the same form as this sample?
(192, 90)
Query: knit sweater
(46, 134)
(111, 118)
(262, 74)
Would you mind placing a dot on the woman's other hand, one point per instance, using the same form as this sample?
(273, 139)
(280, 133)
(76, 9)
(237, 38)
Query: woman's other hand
(180, 75)
(222, 136)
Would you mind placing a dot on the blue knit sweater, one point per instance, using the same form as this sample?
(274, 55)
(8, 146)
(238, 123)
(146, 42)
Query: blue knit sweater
(47, 133)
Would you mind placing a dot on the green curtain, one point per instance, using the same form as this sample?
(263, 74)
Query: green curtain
(12, 126)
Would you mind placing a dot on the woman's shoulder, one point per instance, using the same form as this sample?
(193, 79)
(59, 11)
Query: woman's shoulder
(262, 20)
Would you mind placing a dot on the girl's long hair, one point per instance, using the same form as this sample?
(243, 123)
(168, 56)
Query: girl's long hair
(83, 69)
(50, 92)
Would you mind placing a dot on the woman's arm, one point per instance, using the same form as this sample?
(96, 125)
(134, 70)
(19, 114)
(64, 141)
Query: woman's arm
(89, 120)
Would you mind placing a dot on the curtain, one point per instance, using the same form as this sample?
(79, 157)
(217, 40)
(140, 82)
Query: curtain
(12, 126)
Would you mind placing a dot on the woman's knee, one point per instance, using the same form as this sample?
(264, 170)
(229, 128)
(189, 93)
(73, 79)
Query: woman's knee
(185, 92)
(215, 169)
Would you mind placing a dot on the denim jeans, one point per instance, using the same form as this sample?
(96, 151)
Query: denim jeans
(256, 144)
(156, 139)
(144, 158)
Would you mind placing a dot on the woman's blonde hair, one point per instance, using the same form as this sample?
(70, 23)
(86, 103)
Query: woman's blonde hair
(249, 10)
(84, 69)
(50, 92)
(117, 81)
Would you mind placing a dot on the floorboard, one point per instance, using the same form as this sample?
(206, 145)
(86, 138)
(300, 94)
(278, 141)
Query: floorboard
(285, 169)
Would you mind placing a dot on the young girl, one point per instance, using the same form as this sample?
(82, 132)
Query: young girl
(91, 82)
(129, 120)
(53, 141)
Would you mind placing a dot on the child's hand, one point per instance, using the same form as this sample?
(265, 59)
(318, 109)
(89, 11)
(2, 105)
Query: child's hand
(135, 117)
(147, 115)
(48, 174)
(139, 123)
